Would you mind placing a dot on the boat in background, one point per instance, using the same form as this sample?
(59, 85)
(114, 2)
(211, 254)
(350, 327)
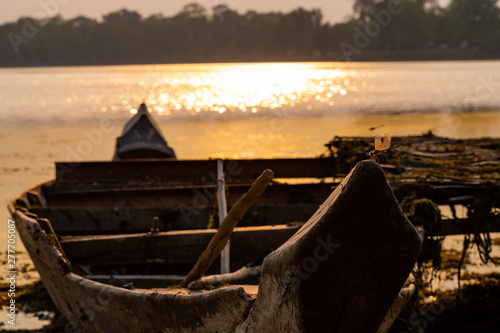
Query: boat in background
(142, 138)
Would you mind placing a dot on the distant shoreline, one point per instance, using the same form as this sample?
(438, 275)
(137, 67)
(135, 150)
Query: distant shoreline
(452, 54)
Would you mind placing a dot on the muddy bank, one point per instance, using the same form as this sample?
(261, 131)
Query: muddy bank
(476, 309)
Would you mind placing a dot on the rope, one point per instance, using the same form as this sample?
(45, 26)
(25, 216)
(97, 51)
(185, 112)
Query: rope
(462, 258)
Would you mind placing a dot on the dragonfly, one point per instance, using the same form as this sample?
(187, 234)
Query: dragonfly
(375, 127)
(381, 146)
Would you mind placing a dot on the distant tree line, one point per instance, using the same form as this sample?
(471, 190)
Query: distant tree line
(386, 28)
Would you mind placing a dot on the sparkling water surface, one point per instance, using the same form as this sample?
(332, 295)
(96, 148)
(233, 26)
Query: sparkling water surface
(224, 91)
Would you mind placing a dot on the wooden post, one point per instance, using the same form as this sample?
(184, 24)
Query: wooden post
(225, 230)
(221, 199)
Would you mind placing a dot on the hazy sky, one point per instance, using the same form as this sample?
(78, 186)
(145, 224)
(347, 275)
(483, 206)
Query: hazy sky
(11, 10)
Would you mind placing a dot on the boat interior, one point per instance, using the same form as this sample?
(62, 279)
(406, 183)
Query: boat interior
(144, 223)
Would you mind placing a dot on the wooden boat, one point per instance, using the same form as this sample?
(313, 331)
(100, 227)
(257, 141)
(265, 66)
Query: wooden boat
(335, 272)
(142, 138)
(112, 239)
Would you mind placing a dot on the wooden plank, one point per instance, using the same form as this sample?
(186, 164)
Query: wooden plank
(190, 171)
(196, 196)
(461, 226)
(111, 220)
(138, 281)
(124, 220)
(246, 171)
(200, 172)
(249, 244)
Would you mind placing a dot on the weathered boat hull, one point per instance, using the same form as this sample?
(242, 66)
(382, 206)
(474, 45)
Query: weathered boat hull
(343, 269)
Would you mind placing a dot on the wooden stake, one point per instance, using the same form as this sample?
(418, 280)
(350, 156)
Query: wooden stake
(225, 230)
(221, 199)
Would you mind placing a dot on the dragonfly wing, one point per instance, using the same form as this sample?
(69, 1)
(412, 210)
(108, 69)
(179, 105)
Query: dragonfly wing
(387, 142)
(378, 142)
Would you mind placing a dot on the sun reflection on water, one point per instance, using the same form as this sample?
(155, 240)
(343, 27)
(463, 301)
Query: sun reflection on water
(242, 88)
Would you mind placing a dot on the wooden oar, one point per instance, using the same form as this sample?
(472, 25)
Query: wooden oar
(225, 230)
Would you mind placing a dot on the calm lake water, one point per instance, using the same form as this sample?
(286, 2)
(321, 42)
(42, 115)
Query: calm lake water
(228, 91)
